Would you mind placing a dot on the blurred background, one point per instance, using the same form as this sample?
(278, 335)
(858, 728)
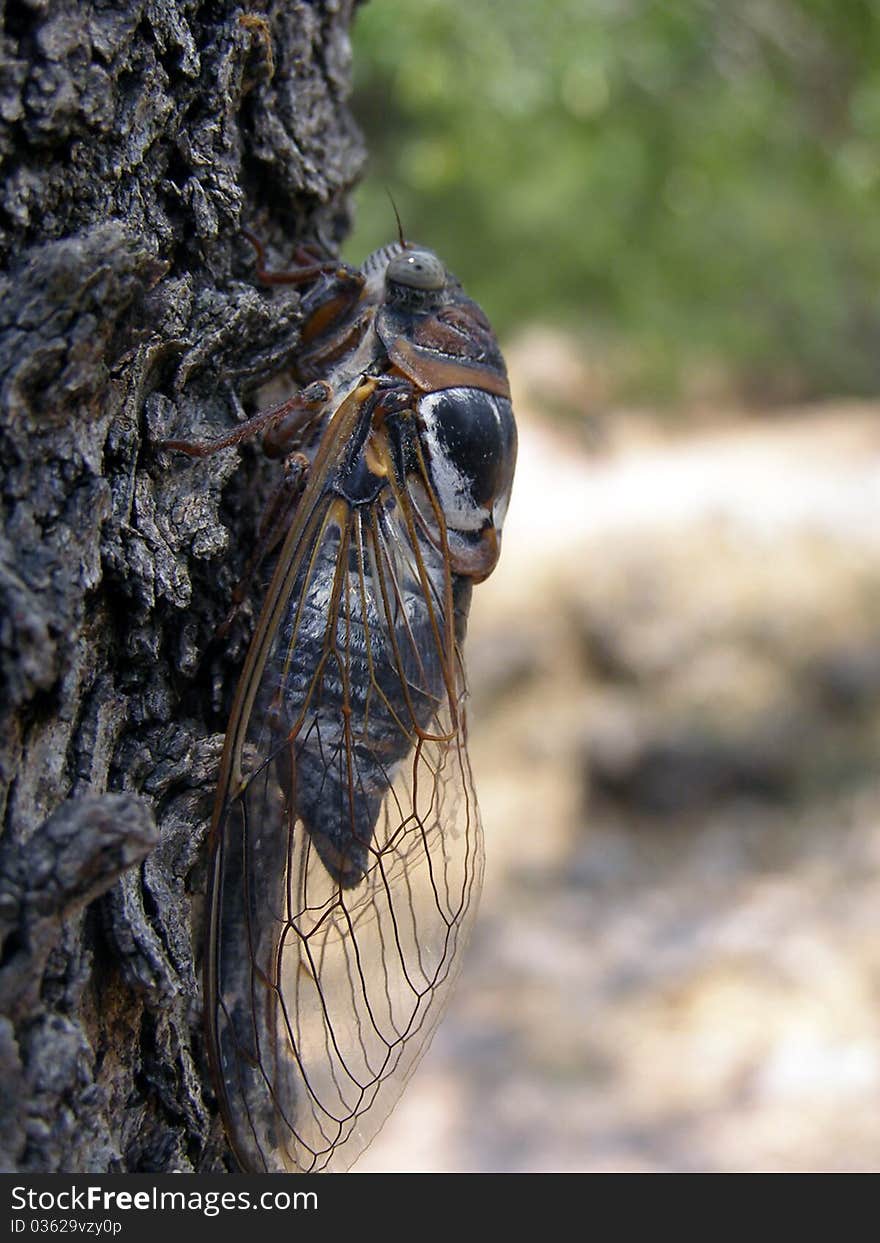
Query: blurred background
(671, 213)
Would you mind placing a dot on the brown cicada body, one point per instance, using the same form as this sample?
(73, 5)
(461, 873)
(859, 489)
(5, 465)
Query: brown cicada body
(347, 849)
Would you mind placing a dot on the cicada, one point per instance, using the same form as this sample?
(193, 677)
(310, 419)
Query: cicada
(347, 848)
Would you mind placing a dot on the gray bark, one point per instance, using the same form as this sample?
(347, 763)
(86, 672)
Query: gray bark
(137, 139)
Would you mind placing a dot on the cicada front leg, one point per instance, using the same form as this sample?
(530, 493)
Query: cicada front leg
(284, 426)
(333, 321)
(309, 265)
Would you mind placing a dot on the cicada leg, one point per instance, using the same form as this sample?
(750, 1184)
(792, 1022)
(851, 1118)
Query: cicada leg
(285, 427)
(331, 325)
(283, 424)
(310, 266)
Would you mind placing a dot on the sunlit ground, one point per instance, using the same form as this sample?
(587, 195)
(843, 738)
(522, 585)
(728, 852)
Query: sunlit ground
(675, 725)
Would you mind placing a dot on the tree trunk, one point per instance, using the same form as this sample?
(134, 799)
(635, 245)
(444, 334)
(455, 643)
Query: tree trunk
(138, 139)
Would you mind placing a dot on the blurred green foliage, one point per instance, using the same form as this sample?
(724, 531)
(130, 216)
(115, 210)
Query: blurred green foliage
(689, 184)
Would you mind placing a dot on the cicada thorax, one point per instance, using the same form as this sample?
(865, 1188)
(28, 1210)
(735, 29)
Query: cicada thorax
(348, 846)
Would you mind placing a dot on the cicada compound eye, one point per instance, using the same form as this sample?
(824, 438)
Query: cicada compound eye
(417, 269)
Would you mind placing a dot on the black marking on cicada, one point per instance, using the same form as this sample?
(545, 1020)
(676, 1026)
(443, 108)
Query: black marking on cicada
(347, 849)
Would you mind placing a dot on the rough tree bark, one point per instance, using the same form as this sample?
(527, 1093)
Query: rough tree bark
(137, 139)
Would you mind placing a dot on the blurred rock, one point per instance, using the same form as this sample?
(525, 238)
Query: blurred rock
(848, 679)
(720, 668)
(678, 773)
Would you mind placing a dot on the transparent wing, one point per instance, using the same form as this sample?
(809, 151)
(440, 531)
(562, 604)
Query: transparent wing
(348, 848)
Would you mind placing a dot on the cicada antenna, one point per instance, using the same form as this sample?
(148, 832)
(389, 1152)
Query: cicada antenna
(404, 243)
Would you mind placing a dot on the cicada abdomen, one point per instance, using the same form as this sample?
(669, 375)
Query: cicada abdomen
(348, 849)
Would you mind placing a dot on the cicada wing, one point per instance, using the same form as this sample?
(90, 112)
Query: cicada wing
(348, 846)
